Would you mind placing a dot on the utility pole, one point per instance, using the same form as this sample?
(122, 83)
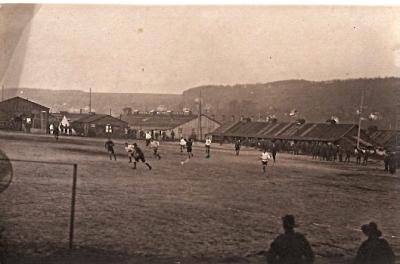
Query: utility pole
(360, 118)
(199, 117)
(2, 93)
(90, 100)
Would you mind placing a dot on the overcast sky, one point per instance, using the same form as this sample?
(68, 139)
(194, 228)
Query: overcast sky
(170, 49)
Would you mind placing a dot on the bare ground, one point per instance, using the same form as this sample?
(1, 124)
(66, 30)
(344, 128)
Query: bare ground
(217, 210)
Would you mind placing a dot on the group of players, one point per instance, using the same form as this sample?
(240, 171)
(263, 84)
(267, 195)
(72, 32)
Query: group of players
(135, 153)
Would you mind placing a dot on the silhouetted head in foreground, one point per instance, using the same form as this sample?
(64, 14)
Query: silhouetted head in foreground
(371, 230)
(288, 223)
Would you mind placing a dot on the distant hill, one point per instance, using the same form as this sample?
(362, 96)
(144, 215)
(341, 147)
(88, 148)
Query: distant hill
(314, 101)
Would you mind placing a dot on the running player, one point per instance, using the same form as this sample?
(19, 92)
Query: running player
(154, 145)
(182, 144)
(129, 149)
(139, 156)
(109, 145)
(148, 138)
(265, 157)
(208, 146)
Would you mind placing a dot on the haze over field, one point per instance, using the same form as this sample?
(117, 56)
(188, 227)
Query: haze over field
(171, 49)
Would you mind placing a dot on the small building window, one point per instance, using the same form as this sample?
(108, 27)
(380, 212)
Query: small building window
(108, 128)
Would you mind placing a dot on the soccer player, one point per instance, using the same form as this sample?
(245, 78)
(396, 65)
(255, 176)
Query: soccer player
(154, 145)
(148, 138)
(237, 147)
(189, 145)
(265, 157)
(208, 146)
(139, 156)
(182, 143)
(129, 149)
(109, 145)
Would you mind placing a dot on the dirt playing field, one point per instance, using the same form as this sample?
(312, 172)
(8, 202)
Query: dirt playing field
(217, 210)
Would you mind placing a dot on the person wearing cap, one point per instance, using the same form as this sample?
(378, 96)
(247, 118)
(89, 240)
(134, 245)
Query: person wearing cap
(290, 247)
(139, 156)
(375, 249)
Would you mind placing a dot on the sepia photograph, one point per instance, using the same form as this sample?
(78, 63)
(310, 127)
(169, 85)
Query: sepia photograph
(194, 134)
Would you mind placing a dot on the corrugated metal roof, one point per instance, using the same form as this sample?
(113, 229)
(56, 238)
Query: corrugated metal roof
(291, 131)
(384, 137)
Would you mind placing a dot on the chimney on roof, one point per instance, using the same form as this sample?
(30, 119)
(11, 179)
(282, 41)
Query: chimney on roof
(127, 111)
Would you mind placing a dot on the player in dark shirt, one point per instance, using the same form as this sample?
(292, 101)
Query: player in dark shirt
(139, 156)
(189, 145)
(109, 145)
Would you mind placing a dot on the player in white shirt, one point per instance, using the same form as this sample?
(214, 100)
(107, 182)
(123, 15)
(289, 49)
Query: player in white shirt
(182, 144)
(265, 157)
(129, 149)
(154, 145)
(208, 146)
(148, 138)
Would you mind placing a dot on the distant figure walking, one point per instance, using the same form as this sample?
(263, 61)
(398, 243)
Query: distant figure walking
(358, 153)
(182, 144)
(386, 161)
(237, 147)
(374, 250)
(392, 163)
(274, 150)
(265, 157)
(290, 247)
(366, 156)
(56, 132)
(208, 147)
(155, 144)
(109, 146)
(348, 155)
(139, 156)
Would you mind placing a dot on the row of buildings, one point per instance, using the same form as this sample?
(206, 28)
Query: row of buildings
(24, 115)
(345, 135)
